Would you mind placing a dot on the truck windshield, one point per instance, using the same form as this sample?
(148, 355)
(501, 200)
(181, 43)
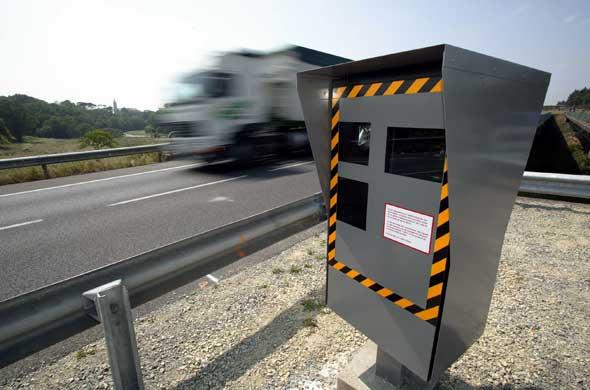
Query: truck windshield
(204, 85)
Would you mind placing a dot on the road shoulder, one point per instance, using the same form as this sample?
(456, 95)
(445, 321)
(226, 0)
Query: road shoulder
(264, 327)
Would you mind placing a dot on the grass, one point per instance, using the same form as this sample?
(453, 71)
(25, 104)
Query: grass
(277, 271)
(34, 146)
(81, 354)
(574, 145)
(21, 175)
(294, 269)
(307, 265)
(311, 305)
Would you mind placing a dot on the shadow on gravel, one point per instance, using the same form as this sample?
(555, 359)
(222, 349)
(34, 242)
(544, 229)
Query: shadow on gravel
(233, 363)
(455, 383)
(551, 208)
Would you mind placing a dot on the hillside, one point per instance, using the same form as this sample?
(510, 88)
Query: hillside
(22, 115)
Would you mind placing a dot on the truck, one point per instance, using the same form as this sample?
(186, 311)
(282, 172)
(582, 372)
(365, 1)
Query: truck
(245, 107)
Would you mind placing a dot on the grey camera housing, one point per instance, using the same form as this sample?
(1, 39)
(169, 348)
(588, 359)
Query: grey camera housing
(384, 276)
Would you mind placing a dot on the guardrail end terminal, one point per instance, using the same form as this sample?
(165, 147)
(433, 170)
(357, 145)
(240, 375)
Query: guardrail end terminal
(109, 304)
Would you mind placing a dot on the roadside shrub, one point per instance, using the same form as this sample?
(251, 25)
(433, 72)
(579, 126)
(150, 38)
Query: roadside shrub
(152, 131)
(114, 132)
(98, 139)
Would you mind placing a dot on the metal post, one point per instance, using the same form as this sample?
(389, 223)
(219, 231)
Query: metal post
(398, 375)
(45, 170)
(109, 304)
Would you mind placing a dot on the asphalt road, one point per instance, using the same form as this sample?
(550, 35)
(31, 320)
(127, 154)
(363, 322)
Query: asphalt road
(55, 229)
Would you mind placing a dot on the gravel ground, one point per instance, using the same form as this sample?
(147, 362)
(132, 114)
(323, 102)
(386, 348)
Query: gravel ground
(264, 328)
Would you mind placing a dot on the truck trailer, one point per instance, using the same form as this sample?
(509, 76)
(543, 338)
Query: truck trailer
(244, 108)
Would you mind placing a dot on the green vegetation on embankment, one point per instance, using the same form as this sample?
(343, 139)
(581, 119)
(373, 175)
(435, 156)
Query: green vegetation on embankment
(557, 149)
(33, 146)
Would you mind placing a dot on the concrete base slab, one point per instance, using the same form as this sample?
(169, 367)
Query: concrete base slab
(360, 374)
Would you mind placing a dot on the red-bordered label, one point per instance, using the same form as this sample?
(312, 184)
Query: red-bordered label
(409, 228)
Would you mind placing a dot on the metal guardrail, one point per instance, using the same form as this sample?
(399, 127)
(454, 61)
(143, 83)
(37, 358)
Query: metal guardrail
(44, 160)
(556, 184)
(578, 123)
(38, 319)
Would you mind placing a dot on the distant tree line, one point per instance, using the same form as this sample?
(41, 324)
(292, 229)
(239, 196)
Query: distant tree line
(22, 115)
(580, 97)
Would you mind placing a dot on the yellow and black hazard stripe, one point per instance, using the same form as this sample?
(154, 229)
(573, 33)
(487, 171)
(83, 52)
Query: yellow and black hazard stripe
(429, 315)
(333, 177)
(396, 87)
(441, 257)
(442, 242)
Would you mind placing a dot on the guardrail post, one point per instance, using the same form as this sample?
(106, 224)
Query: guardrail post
(45, 171)
(109, 304)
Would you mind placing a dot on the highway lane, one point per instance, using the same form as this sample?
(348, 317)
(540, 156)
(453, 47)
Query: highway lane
(58, 228)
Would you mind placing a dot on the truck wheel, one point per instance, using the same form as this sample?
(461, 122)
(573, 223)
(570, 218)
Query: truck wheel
(297, 143)
(244, 150)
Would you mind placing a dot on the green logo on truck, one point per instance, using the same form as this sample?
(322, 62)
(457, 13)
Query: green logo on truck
(234, 110)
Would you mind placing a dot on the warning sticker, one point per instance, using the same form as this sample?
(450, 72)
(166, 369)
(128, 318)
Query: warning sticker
(407, 227)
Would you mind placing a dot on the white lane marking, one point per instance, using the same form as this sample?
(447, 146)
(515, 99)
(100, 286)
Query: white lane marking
(290, 166)
(221, 199)
(100, 180)
(175, 191)
(212, 278)
(20, 224)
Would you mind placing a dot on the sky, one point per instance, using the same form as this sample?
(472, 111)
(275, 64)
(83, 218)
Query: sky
(131, 51)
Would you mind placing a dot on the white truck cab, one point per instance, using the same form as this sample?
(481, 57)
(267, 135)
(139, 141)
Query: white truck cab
(243, 108)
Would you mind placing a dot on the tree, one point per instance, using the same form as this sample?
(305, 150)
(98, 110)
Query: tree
(61, 127)
(85, 105)
(25, 115)
(98, 139)
(13, 117)
(5, 135)
(580, 97)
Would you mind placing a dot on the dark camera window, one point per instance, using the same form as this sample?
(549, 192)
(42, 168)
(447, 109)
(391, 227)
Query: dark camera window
(354, 142)
(417, 153)
(352, 202)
